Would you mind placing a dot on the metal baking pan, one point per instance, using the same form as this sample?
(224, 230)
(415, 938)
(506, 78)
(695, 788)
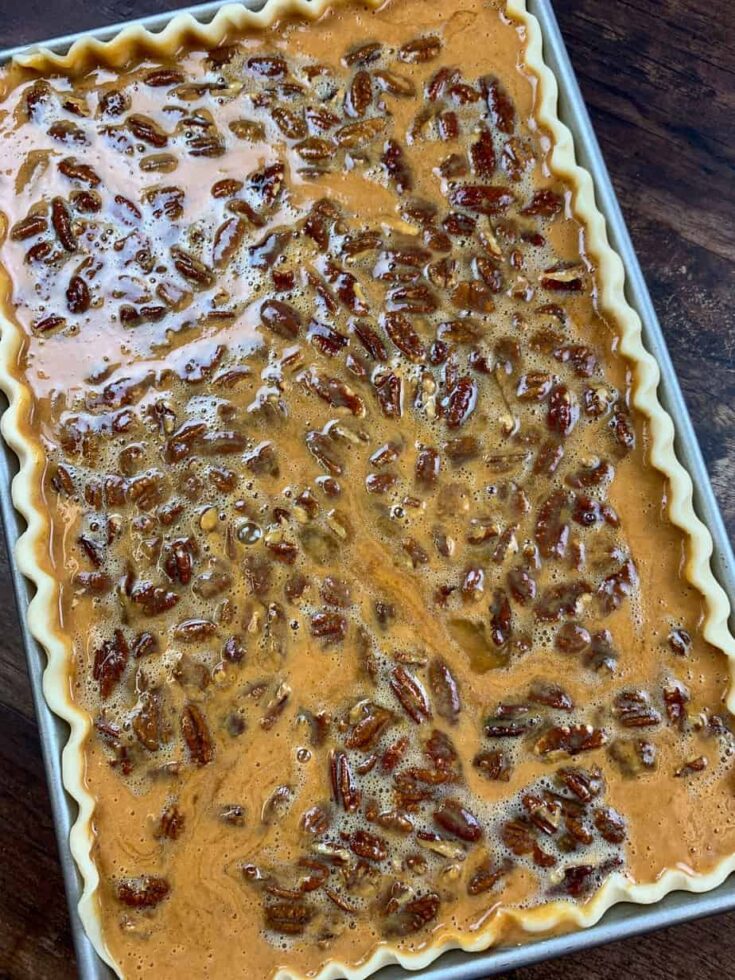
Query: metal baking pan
(622, 920)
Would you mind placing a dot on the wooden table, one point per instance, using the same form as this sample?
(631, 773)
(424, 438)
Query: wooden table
(658, 77)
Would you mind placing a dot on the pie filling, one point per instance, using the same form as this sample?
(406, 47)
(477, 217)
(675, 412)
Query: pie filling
(373, 597)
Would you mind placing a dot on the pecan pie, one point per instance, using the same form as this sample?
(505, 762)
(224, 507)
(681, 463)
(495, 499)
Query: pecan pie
(370, 584)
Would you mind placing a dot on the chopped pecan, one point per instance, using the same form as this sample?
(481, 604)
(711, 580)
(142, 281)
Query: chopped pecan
(275, 707)
(172, 822)
(551, 695)
(561, 600)
(486, 877)
(680, 641)
(481, 198)
(581, 879)
(330, 626)
(420, 50)
(288, 918)
(345, 791)
(570, 740)
(61, 221)
(563, 411)
(458, 821)
(368, 846)
(699, 764)
(502, 111)
(372, 721)
(145, 892)
(610, 824)
(544, 814)
(614, 589)
(148, 722)
(585, 784)
(412, 916)
(633, 709)
(461, 402)
(676, 698)
(109, 662)
(510, 721)
(440, 749)
(493, 764)
(196, 734)
(411, 695)
(445, 690)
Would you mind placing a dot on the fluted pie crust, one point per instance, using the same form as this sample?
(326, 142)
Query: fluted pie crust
(184, 31)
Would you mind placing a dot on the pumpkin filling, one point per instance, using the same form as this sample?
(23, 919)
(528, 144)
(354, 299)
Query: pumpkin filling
(373, 596)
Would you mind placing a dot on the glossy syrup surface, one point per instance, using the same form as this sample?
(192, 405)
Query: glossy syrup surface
(372, 593)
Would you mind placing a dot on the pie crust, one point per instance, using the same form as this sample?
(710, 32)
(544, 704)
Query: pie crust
(43, 620)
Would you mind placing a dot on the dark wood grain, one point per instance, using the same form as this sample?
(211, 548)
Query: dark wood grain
(658, 76)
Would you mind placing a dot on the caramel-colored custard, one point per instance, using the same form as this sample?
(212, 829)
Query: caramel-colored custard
(373, 596)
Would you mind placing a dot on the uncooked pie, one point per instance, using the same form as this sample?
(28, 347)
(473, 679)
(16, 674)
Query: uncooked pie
(368, 586)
